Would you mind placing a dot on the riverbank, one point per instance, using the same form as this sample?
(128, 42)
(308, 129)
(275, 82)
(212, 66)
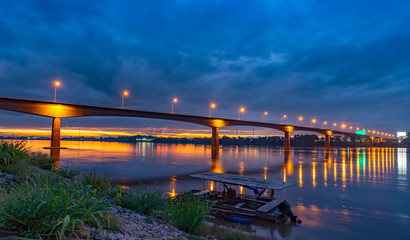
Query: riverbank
(39, 202)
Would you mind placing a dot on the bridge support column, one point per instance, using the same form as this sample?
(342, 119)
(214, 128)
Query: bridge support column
(353, 141)
(55, 139)
(215, 137)
(286, 140)
(327, 141)
(371, 140)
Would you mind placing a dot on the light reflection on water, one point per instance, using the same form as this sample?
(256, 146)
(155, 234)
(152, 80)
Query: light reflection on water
(343, 193)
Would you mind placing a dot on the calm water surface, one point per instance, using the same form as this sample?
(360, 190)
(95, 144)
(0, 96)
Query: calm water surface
(347, 193)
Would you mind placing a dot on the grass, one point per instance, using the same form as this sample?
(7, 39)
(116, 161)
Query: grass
(59, 203)
(41, 160)
(49, 206)
(140, 200)
(68, 172)
(188, 214)
(235, 232)
(12, 152)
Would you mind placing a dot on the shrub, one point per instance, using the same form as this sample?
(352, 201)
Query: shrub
(42, 160)
(12, 152)
(48, 206)
(20, 170)
(68, 172)
(188, 213)
(140, 200)
(97, 181)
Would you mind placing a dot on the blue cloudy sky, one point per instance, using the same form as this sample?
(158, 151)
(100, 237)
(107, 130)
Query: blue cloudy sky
(331, 60)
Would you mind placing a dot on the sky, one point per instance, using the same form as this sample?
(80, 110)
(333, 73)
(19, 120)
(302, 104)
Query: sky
(336, 61)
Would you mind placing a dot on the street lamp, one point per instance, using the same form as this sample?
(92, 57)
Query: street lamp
(334, 125)
(125, 93)
(175, 100)
(343, 126)
(56, 84)
(300, 119)
(241, 110)
(212, 106)
(324, 123)
(282, 118)
(263, 115)
(313, 121)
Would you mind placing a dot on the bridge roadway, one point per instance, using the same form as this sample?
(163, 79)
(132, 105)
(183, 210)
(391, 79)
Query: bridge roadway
(64, 110)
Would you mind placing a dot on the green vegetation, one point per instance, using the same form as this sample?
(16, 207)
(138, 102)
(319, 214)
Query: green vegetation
(235, 233)
(12, 152)
(141, 200)
(42, 160)
(188, 213)
(48, 203)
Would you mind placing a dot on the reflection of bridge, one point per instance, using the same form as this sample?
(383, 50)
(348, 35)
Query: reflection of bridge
(62, 110)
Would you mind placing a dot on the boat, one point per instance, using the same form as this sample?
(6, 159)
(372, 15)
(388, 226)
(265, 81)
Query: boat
(244, 208)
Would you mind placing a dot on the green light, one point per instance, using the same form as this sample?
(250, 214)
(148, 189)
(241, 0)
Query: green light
(361, 132)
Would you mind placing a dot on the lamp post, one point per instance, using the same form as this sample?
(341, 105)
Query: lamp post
(334, 125)
(212, 106)
(313, 122)
(175, 100)
(324, 123)
(241, 110)
(56, 84)
(300, 119)
(282, 118)
(125, 93)
(263, 116)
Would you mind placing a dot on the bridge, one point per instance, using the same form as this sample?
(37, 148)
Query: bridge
(57, 111)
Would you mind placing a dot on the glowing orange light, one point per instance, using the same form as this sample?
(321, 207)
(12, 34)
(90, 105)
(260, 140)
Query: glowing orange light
(325, 123)
(378, 132)
(213, 105)
(175, 100)
(57, 83)
(242, 109)
(358, 129)
(284, 116)
(343, 126)
(313, 120)
(350, 127)
(125, 93)
(374, 131)
(334, 124)
(266, 113)
(300, 118)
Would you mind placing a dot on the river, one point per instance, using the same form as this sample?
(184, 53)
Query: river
(344, 193)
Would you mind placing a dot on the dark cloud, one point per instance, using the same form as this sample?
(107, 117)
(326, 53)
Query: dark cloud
(338, 60)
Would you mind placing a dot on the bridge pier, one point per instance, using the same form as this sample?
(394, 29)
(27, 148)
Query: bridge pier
(371, 139)
(327, 140)
(353, 141)
(215, 137)
(55, 139)
(286, 140)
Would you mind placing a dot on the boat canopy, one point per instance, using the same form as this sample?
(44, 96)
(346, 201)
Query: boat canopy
(252, 182)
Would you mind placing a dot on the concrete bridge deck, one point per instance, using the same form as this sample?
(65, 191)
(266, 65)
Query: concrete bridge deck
(66, 110)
